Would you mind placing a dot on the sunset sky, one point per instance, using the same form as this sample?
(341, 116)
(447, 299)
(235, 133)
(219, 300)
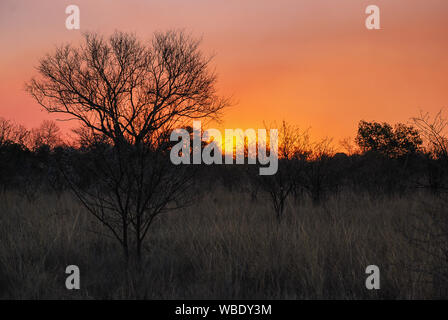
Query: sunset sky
(310, 62)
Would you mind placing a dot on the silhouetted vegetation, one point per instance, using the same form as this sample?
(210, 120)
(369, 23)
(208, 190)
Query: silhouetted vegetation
(390, 162)
(316, 198)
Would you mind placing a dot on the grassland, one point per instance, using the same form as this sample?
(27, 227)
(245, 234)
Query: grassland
(227, 245)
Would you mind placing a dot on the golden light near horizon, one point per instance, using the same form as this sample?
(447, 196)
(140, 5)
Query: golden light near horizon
(234, 146)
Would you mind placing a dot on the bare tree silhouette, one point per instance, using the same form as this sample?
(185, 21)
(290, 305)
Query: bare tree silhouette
(293, 149)
(12, 133)
(315, 177)
(433, 130)
(47, 134)
(131, 95)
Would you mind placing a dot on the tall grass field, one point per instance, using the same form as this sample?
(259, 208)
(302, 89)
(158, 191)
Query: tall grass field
(228, 245)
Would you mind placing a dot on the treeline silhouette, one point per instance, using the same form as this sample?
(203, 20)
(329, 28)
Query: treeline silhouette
(383, 160)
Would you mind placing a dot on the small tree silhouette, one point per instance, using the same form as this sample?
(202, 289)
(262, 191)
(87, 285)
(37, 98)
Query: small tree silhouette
(47, 134)
(11, 133)
(315, 175)
(293, 150)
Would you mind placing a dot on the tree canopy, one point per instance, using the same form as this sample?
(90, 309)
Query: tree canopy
(394, 141)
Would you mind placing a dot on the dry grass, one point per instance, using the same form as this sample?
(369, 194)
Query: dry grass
(226, 246)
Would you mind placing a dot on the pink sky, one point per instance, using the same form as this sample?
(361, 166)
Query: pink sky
(310, 62)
